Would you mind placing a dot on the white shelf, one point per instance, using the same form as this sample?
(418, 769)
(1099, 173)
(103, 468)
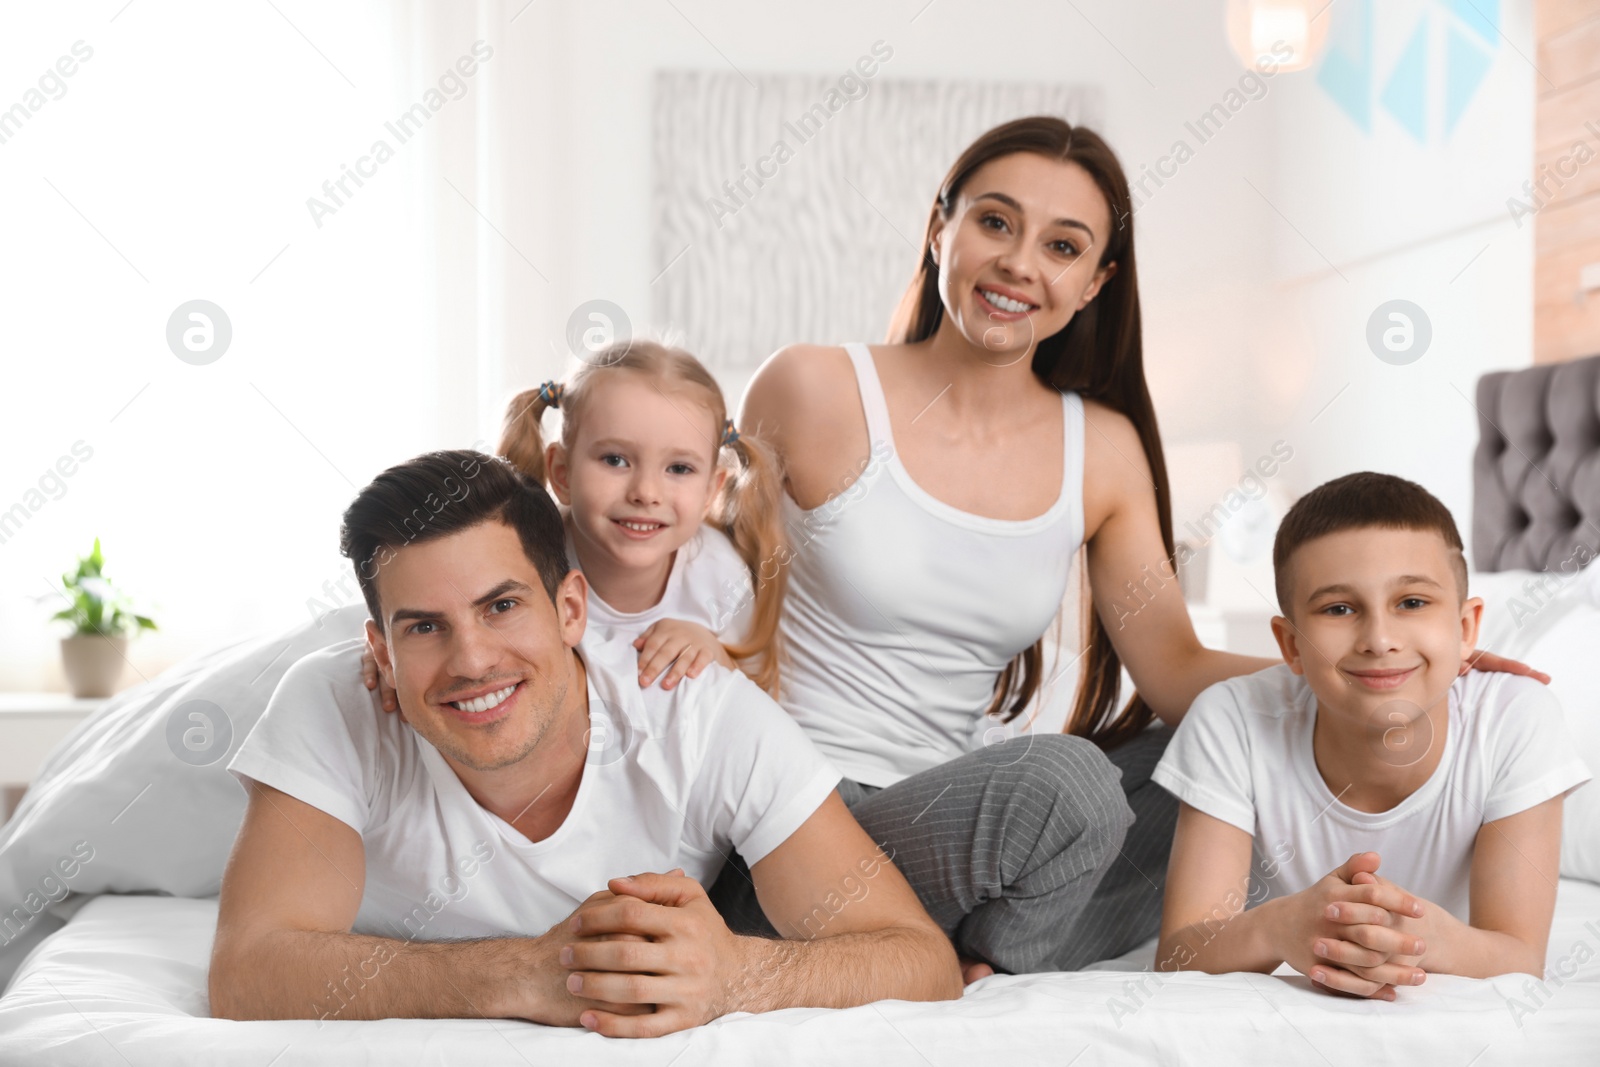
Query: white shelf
(31, 724)
(63, 704)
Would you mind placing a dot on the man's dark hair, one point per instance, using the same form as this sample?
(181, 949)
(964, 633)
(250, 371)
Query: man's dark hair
(441, 493)
(1362, 500)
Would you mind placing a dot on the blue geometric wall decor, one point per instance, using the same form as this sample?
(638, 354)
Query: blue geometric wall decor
(1466, 64)
(1346, 70)
(1471, 31)
(1405, 94)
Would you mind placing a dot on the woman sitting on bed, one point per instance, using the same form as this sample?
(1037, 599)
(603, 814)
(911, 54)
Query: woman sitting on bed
(938, 488)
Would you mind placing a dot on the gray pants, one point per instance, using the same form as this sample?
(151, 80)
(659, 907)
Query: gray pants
(1021, 852)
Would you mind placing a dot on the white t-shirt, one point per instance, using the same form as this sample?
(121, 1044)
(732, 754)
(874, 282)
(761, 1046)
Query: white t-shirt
(1243, 755)
(709, 584)
(674, 778)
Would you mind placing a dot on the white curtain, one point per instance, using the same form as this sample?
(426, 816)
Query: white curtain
(372, 317)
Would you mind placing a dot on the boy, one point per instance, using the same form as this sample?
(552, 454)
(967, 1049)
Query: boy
(1364, 752)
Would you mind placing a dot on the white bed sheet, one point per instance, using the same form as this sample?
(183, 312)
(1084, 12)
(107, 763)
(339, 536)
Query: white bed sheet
(124, 983)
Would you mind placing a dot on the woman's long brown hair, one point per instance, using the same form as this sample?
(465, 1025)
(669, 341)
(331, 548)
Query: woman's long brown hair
(1099, 354)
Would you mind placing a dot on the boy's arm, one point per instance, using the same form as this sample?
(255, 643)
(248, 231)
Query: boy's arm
(1515, 865)
(1204, 925)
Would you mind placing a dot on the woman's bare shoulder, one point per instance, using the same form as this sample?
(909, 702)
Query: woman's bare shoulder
(802, 366)
(795, 385)
(1116, 472)
(1112, 432)
(804, 402)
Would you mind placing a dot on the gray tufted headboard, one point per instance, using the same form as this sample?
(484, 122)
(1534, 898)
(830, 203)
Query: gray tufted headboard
(1536, 472)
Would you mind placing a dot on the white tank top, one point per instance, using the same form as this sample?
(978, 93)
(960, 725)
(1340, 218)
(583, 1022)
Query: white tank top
(902, 610)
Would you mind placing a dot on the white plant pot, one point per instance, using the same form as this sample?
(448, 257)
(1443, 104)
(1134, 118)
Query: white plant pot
(93, 663)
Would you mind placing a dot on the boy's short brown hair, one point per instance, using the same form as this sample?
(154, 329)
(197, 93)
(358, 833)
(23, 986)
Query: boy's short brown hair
(1361, 500)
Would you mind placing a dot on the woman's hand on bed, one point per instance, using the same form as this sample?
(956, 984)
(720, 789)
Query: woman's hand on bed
(369, 675)
(681, 648)
(685, 970)
(1480, 660)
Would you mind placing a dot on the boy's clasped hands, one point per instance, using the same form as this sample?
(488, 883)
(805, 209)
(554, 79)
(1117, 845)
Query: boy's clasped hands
(1356, 933)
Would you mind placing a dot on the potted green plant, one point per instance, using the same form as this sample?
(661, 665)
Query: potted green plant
(102, 619)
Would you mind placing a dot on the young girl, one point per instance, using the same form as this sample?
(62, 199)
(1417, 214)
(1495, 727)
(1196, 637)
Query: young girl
(681, 552)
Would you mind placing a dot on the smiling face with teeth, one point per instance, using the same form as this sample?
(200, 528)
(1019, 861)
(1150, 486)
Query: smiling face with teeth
(480, 658)
(639, 477)
(1020, 253)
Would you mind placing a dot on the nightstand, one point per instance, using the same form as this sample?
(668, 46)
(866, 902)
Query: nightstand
(31, 725)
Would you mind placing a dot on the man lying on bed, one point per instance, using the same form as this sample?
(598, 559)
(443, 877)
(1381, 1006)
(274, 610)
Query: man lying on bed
(537, 854)
(1365, 752)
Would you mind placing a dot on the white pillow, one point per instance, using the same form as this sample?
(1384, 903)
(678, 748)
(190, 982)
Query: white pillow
(137, 798)
(1552, 622)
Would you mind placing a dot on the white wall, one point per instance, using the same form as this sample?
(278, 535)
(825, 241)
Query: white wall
(183, 151)
(1391, 217)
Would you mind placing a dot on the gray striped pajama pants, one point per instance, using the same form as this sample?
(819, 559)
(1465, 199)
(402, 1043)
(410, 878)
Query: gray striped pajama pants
(1040, 853)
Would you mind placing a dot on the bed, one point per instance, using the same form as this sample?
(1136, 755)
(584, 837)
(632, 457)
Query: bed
(124, 982)
(107, 964)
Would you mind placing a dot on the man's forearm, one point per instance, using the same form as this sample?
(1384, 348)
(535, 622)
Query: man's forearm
(294, 974)
(842, 971)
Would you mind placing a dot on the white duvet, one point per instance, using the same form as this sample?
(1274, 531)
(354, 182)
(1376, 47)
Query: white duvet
(125, 983)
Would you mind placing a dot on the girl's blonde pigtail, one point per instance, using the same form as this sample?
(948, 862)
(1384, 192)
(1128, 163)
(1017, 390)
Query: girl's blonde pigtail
(749, 511)
(521, 439)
